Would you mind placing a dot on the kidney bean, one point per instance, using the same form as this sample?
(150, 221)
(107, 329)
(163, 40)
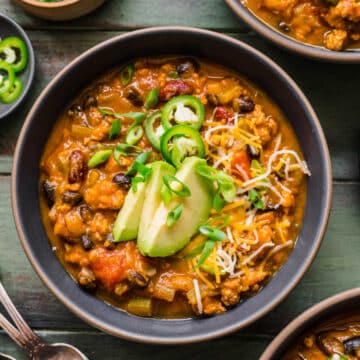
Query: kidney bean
(222, 113)
(78, 167)
(243, 104)
(71, 197)
(174, 88)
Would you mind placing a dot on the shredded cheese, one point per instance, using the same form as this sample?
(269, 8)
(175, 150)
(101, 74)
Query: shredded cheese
(257, 252)
(198, 296)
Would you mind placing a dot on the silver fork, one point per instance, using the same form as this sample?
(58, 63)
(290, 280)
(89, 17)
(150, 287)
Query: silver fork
(35, 348)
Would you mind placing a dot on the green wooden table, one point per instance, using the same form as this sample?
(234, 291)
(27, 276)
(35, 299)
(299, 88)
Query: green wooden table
(332, 90)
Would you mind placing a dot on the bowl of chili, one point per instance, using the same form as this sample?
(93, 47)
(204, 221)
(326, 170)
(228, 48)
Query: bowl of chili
(17, 65)
(142, 44)
(59, 10)
(328, 330)
(309, 29)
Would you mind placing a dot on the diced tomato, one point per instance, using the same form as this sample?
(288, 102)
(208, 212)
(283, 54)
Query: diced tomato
(241, 159)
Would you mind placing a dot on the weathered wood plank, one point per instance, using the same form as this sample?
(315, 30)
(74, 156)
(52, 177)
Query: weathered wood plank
(100, 346)
(339, 254)
(130, 14)
(338, 115)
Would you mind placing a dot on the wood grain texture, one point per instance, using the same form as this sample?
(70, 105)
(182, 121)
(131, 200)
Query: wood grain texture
(333, 270)
(130, 14)
(335, 104)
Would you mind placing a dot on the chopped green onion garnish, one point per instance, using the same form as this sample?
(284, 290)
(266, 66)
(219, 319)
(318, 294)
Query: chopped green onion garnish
(138, 117)
(176, 186)
(174, 215)
(212, 233)
(115, 129)
(127, 74)
(152, 99)
(99, 158)
(224, 221)
(207, 249)
(165, 195)
(140, 159)
(135, 181)
(218, 202)
(134, 134)
(256, 199)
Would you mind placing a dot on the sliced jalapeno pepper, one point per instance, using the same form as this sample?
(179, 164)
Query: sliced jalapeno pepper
(183, 110)
(7, 80)
(179, 142)
(154, 134)
(16, 44)
(13, 93)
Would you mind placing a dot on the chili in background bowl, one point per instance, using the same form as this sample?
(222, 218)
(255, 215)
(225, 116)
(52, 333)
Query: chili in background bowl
(168, 41)
(288, 42)
(343, 303)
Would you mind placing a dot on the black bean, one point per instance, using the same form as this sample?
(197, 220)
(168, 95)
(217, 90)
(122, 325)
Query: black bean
(122, 180)
(352, 345)
(243, 104)
(134, 96)
(71, 197)
(284, 26)
(49, 191)
(253, 151)
(90, 101)
(136, 279)
(86, 243)
(74, 110)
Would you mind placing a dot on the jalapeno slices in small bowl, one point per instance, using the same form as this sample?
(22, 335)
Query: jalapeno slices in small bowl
(16, 65)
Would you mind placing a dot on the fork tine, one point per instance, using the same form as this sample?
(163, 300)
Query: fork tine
(15, 315)
(12, 331)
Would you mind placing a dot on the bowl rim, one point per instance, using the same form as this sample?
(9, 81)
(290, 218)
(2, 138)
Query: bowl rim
(102, 325)
(289, 43)
(304, 317)
(30, 66)
(50, 5)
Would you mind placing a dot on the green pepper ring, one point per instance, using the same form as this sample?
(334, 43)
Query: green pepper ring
(185, 131)
(8, 82)
(17, 43)
(150, 132)
(187, 100)
(13, 93)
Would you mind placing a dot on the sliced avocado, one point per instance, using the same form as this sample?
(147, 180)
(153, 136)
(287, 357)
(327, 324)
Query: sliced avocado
(153, 195)
(159, 240)
(127, 222)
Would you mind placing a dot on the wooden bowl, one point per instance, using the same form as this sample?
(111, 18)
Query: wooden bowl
(59, 11)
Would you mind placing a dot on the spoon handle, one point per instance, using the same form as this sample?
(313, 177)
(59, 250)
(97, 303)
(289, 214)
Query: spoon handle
(23, 335)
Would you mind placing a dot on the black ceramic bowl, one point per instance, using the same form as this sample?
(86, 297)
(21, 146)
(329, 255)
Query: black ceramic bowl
(8, 28)
(289, 43)
(67, 84)
(337, 305)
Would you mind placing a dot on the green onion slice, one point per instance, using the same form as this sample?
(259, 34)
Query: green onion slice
(207, 249)
(174, 215)
(212, 232)
(256, 199)
(176, 186)
(99, 158)
(115, 129)
(134, 134)
(140, 159)
(127, 74)
(152, 99)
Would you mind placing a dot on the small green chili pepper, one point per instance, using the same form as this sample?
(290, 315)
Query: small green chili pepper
(183, 110)
(13, 93)
(21, 52)
(9, 79)
(99, 158)
(134, 134)
(153, 134)
(127, 74)
(152, 99)
(181, 141)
